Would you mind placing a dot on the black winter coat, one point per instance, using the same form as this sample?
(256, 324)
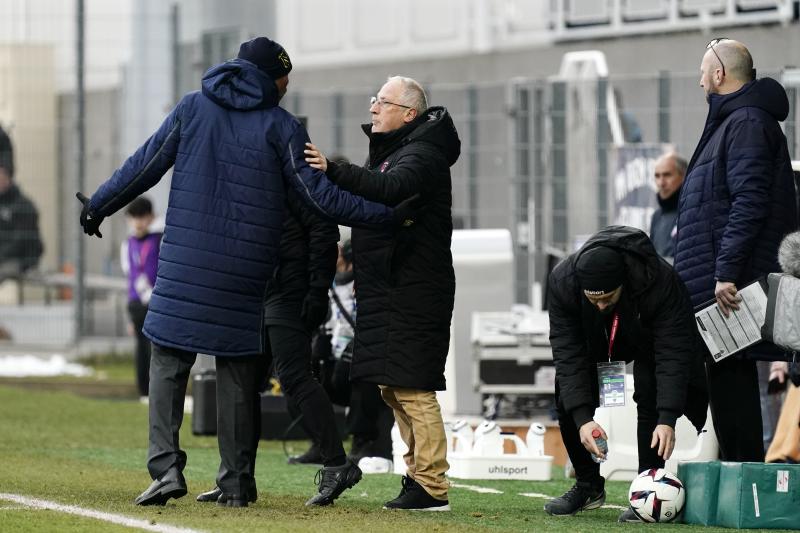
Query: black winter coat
(306, 264)
(656, 321)
(19, 229)
(404, 279)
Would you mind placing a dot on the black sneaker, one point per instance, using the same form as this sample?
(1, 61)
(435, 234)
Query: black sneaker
(415, 498)
(406, 483)
(312, 456)
(578, 498)
(333, 480)
(629, 515)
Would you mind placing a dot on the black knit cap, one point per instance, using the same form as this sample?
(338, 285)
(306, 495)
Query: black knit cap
(269, 56)
(600, 270)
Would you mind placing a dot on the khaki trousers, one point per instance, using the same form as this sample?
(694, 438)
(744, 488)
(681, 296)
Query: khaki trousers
(420, 422)
(786, 442)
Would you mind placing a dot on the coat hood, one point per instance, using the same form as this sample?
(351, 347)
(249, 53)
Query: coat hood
(438, 129)
(641, 259)
(764, 93)
(239, 84)
(434, 126)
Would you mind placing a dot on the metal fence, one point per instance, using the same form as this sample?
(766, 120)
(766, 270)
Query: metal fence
(538, 157)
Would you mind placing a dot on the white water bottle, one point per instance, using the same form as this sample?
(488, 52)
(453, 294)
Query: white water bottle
(535, 439)
(488, 440)
(463, 436)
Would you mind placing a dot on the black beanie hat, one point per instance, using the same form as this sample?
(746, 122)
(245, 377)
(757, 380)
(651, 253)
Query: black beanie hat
(268, 56)
(600, 270)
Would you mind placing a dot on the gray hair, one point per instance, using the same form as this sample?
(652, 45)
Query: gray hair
(413, 94)
(677, 160)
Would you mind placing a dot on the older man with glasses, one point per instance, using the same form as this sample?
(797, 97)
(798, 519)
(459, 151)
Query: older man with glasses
(737, 203)
(404, 278)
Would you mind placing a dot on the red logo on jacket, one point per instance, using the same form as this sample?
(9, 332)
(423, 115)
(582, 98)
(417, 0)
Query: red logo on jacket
(384, 165)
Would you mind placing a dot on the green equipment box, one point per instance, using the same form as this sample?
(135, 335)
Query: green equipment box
(742, 495)
(701, 481)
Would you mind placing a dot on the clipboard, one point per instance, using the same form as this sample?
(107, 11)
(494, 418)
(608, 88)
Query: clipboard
(727, 336)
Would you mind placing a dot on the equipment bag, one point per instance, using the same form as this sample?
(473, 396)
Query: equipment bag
(782, 321)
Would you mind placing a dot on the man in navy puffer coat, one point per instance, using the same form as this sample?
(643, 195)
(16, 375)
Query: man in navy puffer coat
(737, 202)
(234, 152)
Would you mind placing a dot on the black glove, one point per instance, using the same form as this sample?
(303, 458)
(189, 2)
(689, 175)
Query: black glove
(406, 212)
(315, 309)
(89, 221)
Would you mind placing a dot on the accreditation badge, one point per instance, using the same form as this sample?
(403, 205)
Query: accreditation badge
(611, 381)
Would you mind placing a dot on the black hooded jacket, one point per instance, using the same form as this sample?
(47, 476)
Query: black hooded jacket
(656, 320)
(404, 279)
(19, 229)
(306, 264)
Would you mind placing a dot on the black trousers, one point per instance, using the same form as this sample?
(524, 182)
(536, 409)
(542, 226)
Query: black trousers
(370, 419)
(239, 380)
(169, 375)
(138, 311)
(586, 470)
(238, 414)
(290, 349)
(736, 408)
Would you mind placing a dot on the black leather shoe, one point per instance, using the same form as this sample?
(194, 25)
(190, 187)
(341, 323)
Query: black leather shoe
(333, 480)
(215, 494)
(170, 485)
(210, 496)
(232, 500)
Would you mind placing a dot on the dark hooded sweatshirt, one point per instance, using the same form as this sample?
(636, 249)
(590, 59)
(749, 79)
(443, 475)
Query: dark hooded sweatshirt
(404, 279)
(655, 321)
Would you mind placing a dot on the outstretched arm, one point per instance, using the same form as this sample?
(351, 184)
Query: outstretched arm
(317, 191)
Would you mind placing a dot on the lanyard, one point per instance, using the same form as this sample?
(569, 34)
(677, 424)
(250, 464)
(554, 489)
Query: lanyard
(613, 334)
(143, 252)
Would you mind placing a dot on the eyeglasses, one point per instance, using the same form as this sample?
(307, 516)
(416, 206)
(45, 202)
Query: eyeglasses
(374, 100)
(710, 46)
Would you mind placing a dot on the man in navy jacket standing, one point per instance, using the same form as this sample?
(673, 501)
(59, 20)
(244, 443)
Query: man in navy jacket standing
(737, 203)
(234, 153)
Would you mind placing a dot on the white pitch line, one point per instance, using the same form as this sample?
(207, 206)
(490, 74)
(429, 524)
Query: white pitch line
(474, 488)
(98, 515)
(549, 497)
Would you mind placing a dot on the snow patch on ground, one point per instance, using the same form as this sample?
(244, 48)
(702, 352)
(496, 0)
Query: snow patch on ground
(19, 366)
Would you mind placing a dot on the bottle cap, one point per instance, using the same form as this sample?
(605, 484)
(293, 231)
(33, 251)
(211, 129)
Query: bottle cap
(595, 433)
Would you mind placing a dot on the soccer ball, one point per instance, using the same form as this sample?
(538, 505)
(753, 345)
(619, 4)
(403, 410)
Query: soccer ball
(656, 495)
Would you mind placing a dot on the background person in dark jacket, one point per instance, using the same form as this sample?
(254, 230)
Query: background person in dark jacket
(616, 300)
(297, 302)
(669, 172)
(234, 153)
(405, 284)
(20, 242)
(737, 203)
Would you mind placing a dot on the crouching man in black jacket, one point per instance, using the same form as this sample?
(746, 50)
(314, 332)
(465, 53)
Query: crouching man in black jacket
(612, 302)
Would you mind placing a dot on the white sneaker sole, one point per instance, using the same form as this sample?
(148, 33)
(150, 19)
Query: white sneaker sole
(440, 508)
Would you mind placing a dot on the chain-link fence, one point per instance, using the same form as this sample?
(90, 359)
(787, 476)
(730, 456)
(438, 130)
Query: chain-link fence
(539, 157)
